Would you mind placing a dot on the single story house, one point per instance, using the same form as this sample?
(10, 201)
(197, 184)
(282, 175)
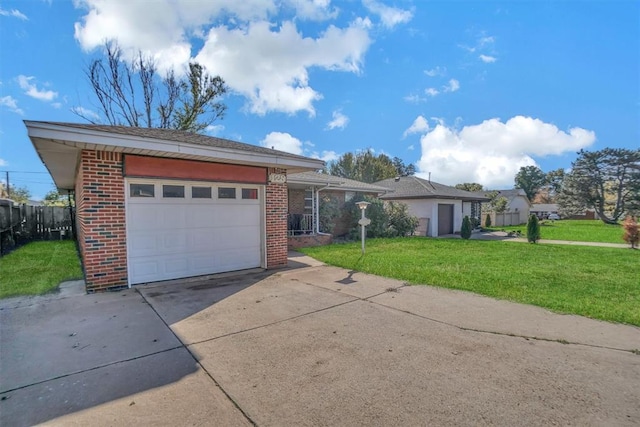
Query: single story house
(439, 208)
(518, 207)
(306, 191)
(542, 210)
(159, 204)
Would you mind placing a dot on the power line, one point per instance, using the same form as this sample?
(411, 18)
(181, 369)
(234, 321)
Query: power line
(5, 171)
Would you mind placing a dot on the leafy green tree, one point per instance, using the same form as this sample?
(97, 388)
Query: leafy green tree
(132, 94)
(465, 230)
(399, 222)
(607, 181)
(469, 186)
(365, 166)
(533, 229)
(19, 194)
(54, 198)
(402, 169)
(531, 179)
(328, 211)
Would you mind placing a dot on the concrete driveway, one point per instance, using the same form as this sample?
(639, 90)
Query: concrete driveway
(309, 346)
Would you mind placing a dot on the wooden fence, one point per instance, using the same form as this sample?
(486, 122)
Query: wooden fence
(24, 223)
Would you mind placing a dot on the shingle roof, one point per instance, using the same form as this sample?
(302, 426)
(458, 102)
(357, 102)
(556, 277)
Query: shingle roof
(177, 136)
(334, 182)
(412, 187)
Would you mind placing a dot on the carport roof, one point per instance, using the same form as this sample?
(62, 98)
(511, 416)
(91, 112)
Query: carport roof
(333, 182)
(59, 145)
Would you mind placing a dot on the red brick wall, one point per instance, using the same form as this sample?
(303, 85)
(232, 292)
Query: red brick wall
(277, 206)
(100, 202)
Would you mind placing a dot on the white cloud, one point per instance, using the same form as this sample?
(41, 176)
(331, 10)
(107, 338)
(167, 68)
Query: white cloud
(453, 86)
(28, 85)
(262, 59)
(431, 91)
(282, 141)
(390, 16)
(3, 162)
(270, 68)
(437, 71)
(86, 113)
(326, 156)
(414, 98)
(339, 121)
(214, 129)
(492, 152)
(411, 147)
(488, 59)
(13, 13)
(11, 104)
(419, 125)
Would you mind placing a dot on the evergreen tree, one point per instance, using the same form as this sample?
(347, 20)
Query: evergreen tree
(465, 231)
(533, 229)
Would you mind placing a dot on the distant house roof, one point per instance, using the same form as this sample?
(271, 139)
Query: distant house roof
(333, 182)
(412, 187)
(511, 194)
(59, 146)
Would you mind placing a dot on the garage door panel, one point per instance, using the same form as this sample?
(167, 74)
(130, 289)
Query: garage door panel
(174, 238)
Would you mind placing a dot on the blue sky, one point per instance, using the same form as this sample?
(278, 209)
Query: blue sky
(467, 91)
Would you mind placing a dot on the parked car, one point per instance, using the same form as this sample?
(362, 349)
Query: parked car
(553, 216)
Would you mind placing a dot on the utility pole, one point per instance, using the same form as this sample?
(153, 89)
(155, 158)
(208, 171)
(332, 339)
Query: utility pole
(8, 187)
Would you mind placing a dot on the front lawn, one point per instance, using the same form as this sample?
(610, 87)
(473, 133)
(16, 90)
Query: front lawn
(597, 282)
(38, 267)
(573, 230)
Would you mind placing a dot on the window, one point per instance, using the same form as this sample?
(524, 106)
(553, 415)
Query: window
(142, 190)
(250, 193)
(200, 192)
(173, 191)
(226, 193)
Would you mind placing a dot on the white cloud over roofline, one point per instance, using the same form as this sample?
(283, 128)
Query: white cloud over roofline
(492, 152)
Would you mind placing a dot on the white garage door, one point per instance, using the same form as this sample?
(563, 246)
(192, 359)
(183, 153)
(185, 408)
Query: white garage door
(180, 229)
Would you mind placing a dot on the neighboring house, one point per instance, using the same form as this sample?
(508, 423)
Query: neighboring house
(439, 208)
(158, 204)
(306, 191)
(542, 210)
(517, 202)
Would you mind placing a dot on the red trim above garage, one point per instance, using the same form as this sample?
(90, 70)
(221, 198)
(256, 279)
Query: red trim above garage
(160, 167)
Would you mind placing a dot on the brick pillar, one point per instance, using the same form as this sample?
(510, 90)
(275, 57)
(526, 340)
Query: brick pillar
(277, 207)
(100, 201)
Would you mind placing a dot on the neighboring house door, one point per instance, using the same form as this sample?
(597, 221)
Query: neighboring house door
(445, 219)
(179, 229)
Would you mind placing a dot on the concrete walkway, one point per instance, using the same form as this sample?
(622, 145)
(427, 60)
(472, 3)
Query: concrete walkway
(311, 345)
(504, 236)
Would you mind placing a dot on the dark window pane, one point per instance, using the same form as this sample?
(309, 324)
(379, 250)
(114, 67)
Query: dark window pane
(176, 191)
(200, 192)
(142, 190)
(250, 193)
(226, 193)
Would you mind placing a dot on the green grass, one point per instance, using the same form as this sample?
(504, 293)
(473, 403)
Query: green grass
(574, 230)
(38, 268)
(597, 282)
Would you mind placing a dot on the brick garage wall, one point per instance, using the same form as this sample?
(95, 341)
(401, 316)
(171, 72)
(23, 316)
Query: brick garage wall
(100, 199)
(277, 207)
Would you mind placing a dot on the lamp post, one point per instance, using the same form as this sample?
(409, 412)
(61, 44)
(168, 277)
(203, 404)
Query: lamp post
(363, 220)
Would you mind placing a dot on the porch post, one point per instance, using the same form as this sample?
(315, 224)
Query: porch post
(316, 212)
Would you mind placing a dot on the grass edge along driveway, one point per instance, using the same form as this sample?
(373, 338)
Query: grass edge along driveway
(38, 267)
(601, 283)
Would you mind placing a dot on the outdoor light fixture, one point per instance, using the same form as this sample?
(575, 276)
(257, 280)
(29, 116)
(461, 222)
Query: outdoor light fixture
(363, 221)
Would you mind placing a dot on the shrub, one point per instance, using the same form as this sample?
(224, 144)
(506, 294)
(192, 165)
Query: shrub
(475, 223)
(465, 230)
(328, 211)
(487, 221)
(390, 219)
(533, 229)
(631, 231)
